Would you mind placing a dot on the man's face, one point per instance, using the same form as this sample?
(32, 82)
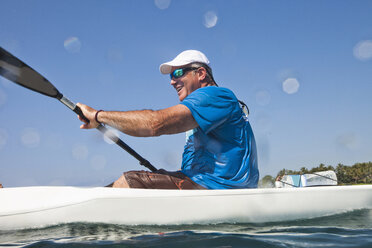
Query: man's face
(187, 83)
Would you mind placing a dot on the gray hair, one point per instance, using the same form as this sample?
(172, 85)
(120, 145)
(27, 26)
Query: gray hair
(209, 77)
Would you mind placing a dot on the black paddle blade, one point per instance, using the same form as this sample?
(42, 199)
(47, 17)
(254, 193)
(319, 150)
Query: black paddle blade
(18, 72)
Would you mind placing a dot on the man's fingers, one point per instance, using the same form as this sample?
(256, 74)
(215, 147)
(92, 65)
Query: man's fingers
(81, 119)
(84, 126)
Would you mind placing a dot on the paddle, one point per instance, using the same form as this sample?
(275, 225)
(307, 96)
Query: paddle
(18, 72)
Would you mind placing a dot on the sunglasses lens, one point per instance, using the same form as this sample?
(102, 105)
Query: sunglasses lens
(177, 73)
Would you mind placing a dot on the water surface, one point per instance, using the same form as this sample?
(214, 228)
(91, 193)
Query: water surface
(352, 229)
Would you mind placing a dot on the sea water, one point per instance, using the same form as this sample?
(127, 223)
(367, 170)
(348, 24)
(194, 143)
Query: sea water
(353, 229)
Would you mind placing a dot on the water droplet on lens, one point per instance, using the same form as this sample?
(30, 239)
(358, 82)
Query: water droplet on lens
(30, 137)
(162, 4)
(210, 19)
(72, 45)
(347, 140)
(80, 152)
(291, 85)
(363, 50)
(111, 136)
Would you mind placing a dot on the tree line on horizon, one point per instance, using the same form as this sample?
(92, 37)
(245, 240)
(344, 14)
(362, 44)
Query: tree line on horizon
(359, 173)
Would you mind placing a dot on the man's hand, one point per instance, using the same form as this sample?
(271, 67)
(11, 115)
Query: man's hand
(89, 113)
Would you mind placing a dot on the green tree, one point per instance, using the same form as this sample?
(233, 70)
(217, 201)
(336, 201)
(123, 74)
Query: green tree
(267, 182)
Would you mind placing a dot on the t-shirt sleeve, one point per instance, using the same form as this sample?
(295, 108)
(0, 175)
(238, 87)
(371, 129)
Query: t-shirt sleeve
(210, 106)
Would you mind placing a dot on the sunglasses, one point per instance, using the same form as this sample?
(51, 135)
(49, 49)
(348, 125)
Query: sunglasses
(180, 72)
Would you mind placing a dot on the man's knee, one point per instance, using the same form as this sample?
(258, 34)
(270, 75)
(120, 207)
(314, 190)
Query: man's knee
(121, 182)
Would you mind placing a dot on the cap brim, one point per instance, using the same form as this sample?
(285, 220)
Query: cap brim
(165, 68)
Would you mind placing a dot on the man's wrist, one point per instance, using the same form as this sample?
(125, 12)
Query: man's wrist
(96, 116)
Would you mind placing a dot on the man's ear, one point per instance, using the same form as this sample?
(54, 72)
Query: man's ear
(202, 73)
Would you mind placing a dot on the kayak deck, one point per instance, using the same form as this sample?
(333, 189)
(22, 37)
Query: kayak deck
(29, 207)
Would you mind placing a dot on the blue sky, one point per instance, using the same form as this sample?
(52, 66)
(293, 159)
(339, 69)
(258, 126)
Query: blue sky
(304, 68)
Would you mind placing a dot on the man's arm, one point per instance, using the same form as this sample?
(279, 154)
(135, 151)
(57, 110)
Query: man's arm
(143, 123)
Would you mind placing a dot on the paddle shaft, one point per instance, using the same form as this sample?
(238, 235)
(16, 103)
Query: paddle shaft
(108, 134)
(20, 73)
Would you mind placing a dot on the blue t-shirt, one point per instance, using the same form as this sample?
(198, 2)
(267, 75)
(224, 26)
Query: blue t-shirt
(221, 152)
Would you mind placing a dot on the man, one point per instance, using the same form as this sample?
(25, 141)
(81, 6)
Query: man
(220, 152)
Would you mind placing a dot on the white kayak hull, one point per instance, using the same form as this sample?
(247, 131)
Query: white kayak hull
(29, 207)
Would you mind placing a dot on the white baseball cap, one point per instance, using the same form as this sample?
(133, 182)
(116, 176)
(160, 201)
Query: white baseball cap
(184, 58)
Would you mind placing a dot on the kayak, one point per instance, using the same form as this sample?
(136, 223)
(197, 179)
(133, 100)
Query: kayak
(31, 207)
